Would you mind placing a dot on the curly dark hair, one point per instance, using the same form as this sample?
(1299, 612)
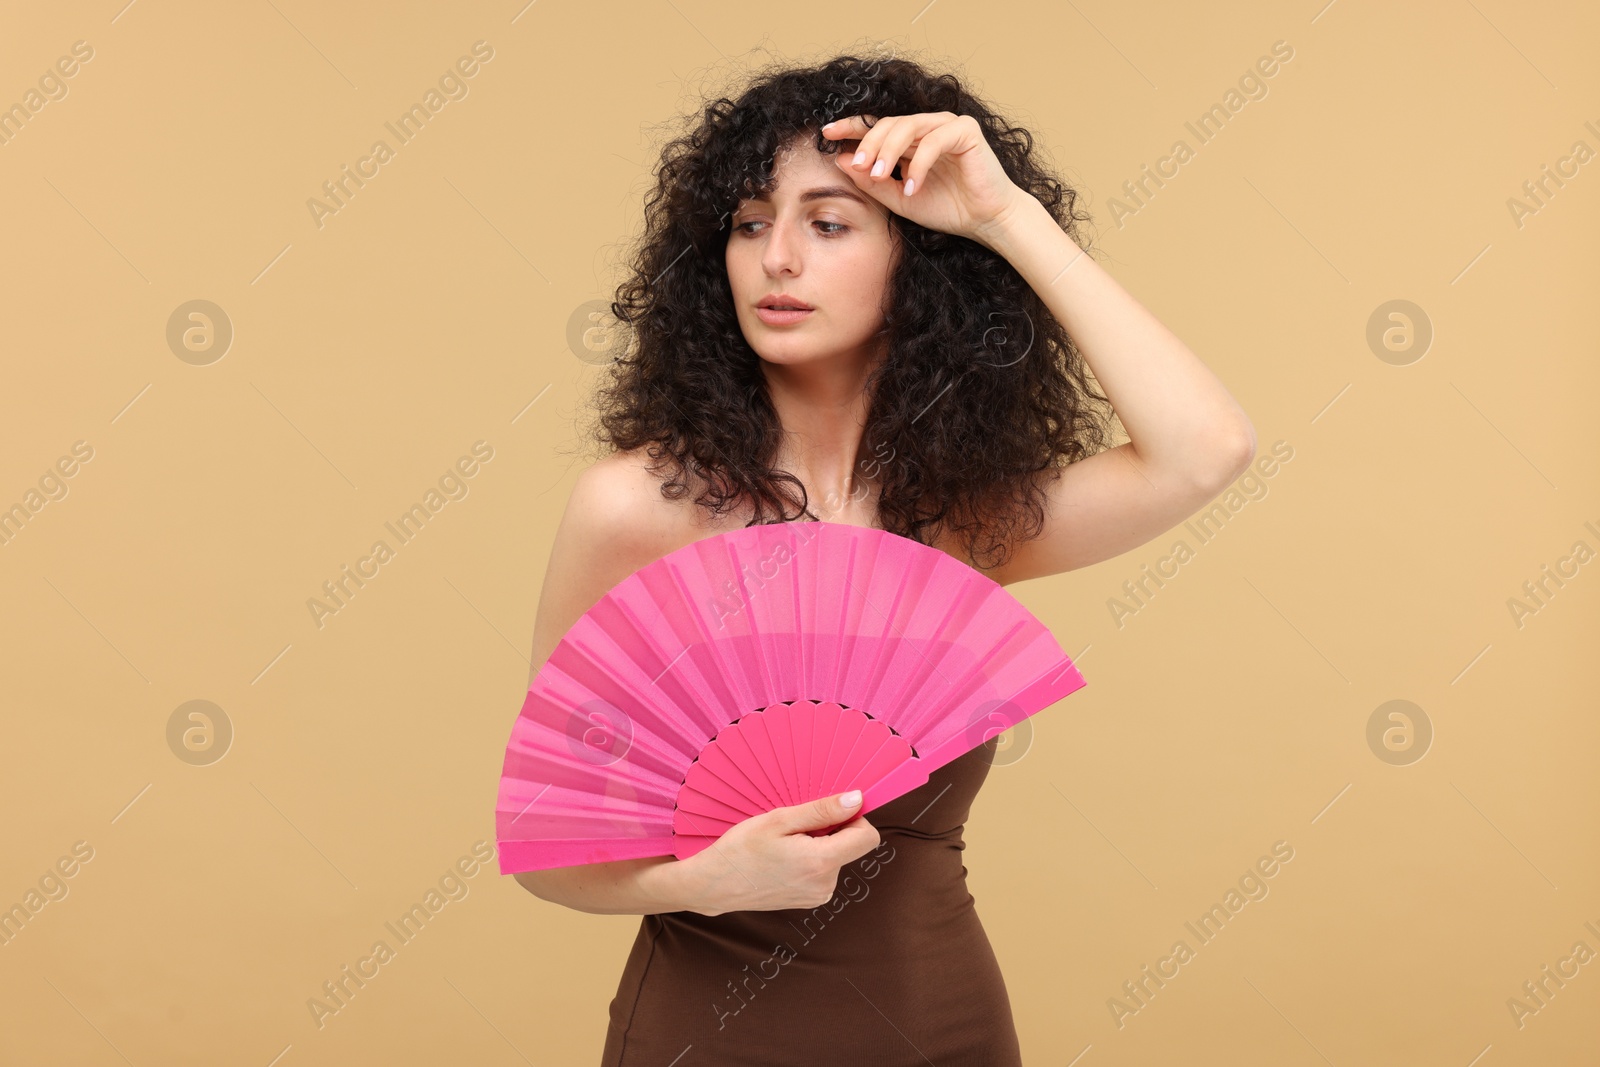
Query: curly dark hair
(982, 390)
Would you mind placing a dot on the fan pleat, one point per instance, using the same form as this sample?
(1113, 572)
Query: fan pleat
(809, 736)
(794, 748)
(765, 748)
(727, 762)
(846, 734)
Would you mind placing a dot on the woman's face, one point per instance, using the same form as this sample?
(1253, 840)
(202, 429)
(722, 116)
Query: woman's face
(817, 239)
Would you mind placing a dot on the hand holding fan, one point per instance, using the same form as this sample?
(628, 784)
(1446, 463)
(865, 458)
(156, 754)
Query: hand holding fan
(758, 668)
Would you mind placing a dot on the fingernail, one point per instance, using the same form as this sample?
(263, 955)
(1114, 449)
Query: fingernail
(851, 799)
(861, 157)
(911, 186)
(828, 126)
(877, 168)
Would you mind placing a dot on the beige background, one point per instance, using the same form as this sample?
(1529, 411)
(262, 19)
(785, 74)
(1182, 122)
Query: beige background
(370, 353)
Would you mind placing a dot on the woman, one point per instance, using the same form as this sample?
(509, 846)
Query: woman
(860, 297)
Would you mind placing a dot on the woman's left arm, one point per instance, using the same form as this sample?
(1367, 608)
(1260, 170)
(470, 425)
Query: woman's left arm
(1187, 436)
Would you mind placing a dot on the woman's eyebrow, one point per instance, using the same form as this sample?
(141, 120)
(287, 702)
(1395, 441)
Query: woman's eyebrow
(823, 192)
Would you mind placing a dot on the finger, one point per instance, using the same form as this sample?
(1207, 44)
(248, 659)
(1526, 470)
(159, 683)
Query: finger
(848, 128)
(849, 842)
(950, 137)
(867, 150)
(810, 815)
(894, 145)
(885, 194)
(852, 828)
(899, 134)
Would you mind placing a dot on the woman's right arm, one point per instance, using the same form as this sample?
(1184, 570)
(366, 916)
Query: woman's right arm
(768, 862)
(614, 524)
(621, 887)
(610, 529)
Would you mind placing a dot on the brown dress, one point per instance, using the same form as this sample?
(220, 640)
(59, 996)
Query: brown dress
(894, 969)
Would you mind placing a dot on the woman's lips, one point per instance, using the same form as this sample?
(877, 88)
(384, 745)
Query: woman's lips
(774, 317)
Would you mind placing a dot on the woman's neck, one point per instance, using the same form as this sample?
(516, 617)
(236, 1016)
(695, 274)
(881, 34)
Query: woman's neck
(823, 410)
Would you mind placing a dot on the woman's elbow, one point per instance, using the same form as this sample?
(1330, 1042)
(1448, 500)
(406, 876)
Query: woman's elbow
(1224, 456)
(535, 882)
(1243, 444)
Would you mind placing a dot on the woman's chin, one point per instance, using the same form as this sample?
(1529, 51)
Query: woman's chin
(791, 357)
(802, 355)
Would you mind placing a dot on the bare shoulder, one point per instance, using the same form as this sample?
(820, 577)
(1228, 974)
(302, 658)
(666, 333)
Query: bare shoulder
(618, 499)
(616, 521)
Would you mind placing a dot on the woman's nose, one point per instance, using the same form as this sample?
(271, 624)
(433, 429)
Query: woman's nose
(782, 251)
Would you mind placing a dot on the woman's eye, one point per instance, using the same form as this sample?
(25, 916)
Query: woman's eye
(835, 229)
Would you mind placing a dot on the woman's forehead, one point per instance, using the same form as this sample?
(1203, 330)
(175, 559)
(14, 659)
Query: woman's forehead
(803, 173)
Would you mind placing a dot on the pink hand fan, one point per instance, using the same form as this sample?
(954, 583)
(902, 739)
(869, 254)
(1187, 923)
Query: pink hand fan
(758, 668)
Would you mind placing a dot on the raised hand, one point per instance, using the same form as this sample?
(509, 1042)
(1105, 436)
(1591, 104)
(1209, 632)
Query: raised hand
(952, 180)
